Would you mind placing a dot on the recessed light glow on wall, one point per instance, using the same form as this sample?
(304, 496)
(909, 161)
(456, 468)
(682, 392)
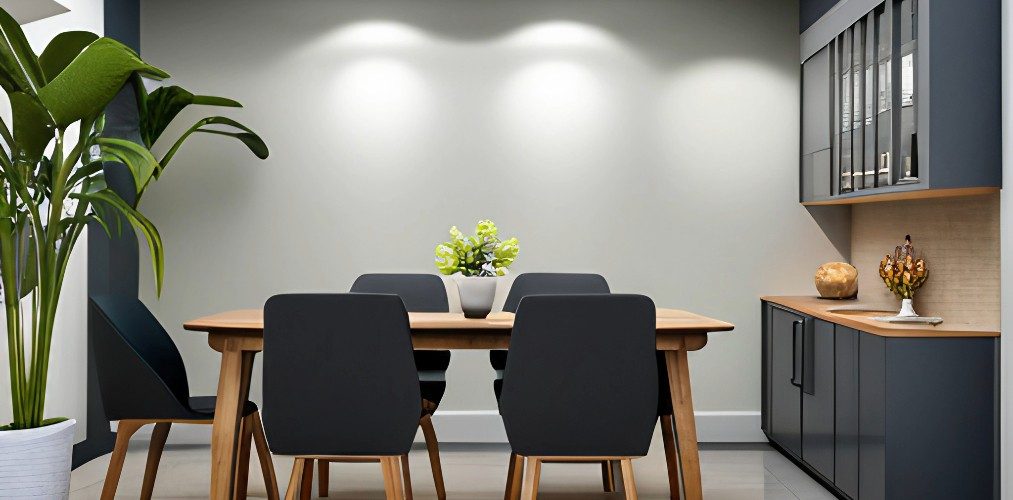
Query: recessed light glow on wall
(554, 110)
(560, 34)
(381, 107)
(379, 34)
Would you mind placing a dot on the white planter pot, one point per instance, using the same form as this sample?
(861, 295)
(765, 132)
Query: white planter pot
(477, 295)
(35, 463)
(907, 310)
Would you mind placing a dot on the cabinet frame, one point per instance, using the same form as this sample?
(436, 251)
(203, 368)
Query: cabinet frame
(958, 136)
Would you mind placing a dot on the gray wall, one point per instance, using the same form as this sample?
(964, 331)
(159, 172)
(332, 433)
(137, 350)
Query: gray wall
(655, 142)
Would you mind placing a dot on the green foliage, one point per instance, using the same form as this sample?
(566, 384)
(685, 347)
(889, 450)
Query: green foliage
(482, 254)
(52, 182)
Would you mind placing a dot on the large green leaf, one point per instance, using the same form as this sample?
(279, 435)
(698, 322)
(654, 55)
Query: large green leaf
(112, 200)
(247, 136)
(24, 260)
(165, 103)
(19, 66)
(92, 79)
(62, 49)
(33, 126)
(137, 158)
(88, 170)
(28, 269)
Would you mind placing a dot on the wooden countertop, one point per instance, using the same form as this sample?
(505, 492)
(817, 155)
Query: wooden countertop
(858, 315)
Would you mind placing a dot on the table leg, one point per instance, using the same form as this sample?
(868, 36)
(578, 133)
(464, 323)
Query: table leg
(685, 423)
(233, 390)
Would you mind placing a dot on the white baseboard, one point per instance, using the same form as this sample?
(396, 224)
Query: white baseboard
(485, 426)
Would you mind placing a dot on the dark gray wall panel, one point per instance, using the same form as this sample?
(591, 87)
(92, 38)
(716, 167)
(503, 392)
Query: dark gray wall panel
(112, 262)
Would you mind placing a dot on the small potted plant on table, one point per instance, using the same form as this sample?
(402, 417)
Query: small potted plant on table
(480, 260)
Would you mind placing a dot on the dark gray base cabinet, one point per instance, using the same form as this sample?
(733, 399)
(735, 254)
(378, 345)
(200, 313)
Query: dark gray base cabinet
(876, 417)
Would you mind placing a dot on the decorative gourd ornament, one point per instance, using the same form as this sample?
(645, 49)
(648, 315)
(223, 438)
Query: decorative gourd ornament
(837, 280)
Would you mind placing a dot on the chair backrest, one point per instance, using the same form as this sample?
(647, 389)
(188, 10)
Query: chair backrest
(553, 283)
(581, 379)
(420, 292)
(339, 376)
(140, 371)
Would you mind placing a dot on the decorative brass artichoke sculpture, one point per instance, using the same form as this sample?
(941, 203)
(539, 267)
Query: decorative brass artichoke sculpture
(837, 280)
(903, 272)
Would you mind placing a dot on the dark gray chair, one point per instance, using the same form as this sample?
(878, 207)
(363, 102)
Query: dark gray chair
(550, 283)
(592, 404)
(420, 293)
(540, 284)
(143, 381)
(340, 383)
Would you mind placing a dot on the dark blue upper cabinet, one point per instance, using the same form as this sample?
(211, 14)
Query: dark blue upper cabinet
(901, 99)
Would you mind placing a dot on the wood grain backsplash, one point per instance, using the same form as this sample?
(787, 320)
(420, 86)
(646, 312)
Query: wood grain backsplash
(957, 237)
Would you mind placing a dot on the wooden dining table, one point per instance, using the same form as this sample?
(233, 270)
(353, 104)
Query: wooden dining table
(238, 336)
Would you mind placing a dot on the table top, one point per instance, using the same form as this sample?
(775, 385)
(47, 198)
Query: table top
(252, 320)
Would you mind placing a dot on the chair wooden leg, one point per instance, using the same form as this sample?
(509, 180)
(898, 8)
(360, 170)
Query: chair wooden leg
(295, 480)
(155, 447)
(389, 478)
(306, 486)
(608, 478)
(671, 456)
(515, 476)
(243, 459)
(532, 473)
(407, 477)
(433, 446)
(629, 484)
(124, 430)
(323, 477)
(264, 454)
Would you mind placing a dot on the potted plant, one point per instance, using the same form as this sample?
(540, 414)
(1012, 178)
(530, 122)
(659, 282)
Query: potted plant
(480, 260)
(904, 273)
(52, 186)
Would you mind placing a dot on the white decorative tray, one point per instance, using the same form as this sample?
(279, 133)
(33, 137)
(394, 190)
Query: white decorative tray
(921, 320)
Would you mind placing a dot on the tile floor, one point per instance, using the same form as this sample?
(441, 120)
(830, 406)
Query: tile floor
(473, 472)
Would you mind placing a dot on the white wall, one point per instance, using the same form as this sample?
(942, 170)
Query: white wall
(67, 389)
(655, 142)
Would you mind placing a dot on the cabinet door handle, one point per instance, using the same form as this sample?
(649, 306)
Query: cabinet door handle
(796, 326)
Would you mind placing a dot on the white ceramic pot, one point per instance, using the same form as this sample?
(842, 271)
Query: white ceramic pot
(477, 294)
(35, 463)
(907, 310)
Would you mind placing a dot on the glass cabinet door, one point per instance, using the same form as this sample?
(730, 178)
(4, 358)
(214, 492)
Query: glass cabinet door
(835, 116)
(907, 12)
(858, 104)
(869, 101)
(845, 111)
(884, 93)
